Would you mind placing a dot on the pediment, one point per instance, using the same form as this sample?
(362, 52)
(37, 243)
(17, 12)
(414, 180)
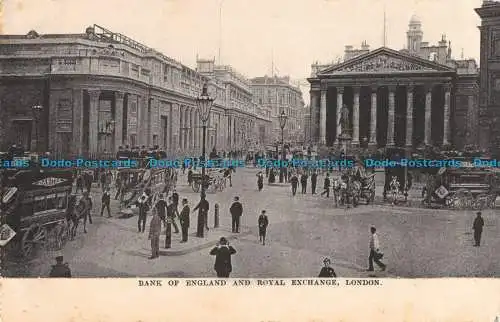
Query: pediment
(384, 61)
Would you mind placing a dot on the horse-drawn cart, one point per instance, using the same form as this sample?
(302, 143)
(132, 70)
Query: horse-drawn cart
(465, 188)
(151, 182)
(213, 178)
(34, 204)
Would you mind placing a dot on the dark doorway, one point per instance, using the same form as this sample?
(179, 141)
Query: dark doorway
(400, 117)
(418, 115)
(437, 118)
(331, 118)
(365, 103)
(21, 133)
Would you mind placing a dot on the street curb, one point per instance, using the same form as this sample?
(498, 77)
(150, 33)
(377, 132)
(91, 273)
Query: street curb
(201, 246)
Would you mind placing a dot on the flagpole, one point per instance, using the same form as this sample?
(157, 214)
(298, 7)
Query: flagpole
(220, 31)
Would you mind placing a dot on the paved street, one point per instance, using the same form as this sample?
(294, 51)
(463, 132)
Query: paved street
(302, 231)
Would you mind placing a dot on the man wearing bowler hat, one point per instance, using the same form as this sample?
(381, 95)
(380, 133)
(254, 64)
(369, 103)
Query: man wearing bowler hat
(60, 269)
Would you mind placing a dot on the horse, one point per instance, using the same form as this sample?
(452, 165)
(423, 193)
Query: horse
(76, 212)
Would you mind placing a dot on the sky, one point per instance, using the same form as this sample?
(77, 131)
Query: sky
(254, 35)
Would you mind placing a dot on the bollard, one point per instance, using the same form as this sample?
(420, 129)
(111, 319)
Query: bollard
(216, 216)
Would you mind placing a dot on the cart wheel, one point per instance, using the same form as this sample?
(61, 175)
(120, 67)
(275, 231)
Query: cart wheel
(195, 186)
(62, 234)
(33, 239)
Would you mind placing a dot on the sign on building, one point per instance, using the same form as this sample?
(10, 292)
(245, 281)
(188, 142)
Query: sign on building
(49, 182)
(6, 235)
(441, 192)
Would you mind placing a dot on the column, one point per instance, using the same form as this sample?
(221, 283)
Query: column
(427, 117)
(144, 115)
(391, 117)
(174, 120)
(118, 119)
(77, 121)
(312, 109)
(197, 132)
(340, 103)
(355, 116)
(471, 118)
(180, 131)
(373, 118)
(409, 116)
(191, 130)
(93, 121)
(322, 117)
(148, 106)
(446, 114)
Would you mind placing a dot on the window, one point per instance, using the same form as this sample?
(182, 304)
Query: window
(51, 202)
(62, 201)
(39, 204)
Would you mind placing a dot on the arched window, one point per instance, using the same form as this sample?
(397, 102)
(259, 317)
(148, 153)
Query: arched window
(433, 56)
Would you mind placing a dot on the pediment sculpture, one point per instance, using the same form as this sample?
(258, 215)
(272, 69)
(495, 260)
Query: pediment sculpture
(383, 63)
(32, 35)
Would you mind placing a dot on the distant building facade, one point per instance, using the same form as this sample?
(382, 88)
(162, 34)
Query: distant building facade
(409, 98)
(307, 125)
(489, 98)
(277, 94)
(247, 124)
(100, 90)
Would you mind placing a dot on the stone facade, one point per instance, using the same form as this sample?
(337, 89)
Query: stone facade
(100, 90)
(277, 94)
(408, 98)
(489, 97)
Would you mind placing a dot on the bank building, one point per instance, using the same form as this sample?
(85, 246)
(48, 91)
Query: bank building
(407, 98)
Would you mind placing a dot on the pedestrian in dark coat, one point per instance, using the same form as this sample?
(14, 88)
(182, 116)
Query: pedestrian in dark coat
(303, 182)
(203, 207)
(327, 271)
(477, 226)
(314, 180)
(143, 211)
(236, 211)
(105, 201)
(60, 269)
(260, 180)
(79, 183)
(326, 186)
(161, 207)
(184, 220)
(223, 252)
(295, 183)
(87, 178)
(263, 223)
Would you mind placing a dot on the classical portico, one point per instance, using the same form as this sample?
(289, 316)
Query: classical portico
(394, 99)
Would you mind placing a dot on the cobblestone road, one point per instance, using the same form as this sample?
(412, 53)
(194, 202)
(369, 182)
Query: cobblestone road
(302, 231)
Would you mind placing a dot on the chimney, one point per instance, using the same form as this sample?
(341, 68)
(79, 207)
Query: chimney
(365, 46)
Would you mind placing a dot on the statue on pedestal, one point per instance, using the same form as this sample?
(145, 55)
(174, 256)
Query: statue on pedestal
(344, 120)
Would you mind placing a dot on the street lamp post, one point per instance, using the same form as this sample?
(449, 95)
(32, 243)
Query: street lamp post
(282, 119)
(37, 110)
(204, 103)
